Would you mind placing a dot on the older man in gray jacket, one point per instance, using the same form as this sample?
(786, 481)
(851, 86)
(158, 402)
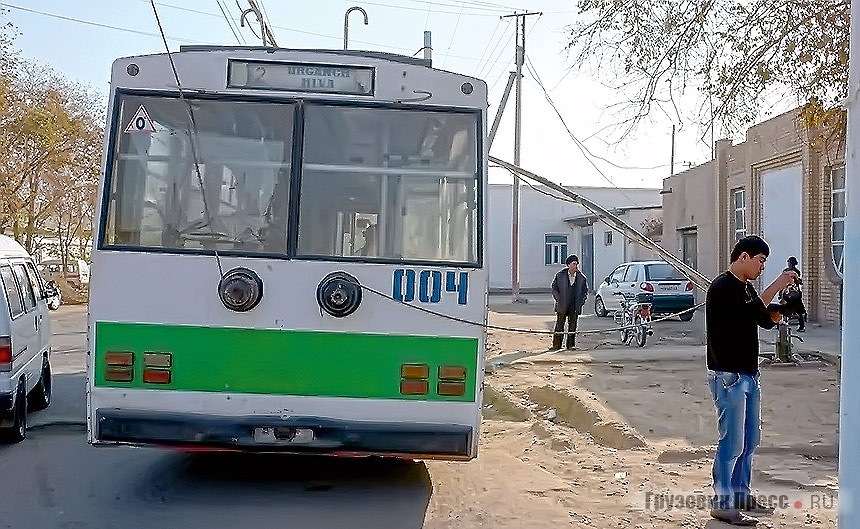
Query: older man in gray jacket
(570, 291)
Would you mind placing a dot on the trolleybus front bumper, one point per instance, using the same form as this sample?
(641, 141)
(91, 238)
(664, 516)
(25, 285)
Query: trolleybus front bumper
(282, 434)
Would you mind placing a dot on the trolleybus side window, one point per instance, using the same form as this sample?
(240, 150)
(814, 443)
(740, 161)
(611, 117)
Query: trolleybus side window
(389, 183)
(244, 151)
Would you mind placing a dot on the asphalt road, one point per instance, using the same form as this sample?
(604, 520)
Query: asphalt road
(54, 479)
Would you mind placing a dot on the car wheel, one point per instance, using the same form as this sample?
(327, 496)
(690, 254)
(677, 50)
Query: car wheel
(40, 398)
(599, 307)
(18, 431)
(687, 316)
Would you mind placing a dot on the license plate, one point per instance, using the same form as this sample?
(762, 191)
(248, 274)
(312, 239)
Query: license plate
(669, 287)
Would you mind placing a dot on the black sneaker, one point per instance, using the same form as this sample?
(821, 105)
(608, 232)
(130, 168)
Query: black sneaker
(733, 517)
(752, 506)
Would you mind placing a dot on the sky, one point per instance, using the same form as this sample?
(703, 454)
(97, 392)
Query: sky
(81, 38)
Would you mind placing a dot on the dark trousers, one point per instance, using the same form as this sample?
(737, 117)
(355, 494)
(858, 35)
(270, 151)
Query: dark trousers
(571, 318)
(795, 306)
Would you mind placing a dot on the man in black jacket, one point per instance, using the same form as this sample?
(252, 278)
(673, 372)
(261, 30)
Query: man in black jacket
(734, 312)
(570, 290)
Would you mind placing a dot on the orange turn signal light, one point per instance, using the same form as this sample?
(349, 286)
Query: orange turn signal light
(119, 358)
(414, 371)
(413, 387)
(452, 373)
(451, 389)
(156, 376)
(119, 374)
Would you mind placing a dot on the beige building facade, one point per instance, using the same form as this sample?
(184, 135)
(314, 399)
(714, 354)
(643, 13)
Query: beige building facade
(776, 184)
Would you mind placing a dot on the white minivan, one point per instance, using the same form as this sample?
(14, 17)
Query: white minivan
(25, 336)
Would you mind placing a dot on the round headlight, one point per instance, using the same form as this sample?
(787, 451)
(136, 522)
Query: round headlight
(240, 289)
(339, 294)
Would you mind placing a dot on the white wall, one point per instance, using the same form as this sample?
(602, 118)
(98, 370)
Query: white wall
(606, 257)
(635, 251)
(541, 215)
(782, 221)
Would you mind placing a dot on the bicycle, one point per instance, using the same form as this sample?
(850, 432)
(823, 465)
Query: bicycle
(634, 318)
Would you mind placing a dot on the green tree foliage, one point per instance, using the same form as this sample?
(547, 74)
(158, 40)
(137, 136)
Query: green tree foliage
(50, 149)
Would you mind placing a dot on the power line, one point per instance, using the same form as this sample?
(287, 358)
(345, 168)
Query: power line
(503, 7)
(267, 25)
(229, 24)
(192, 133)
(492, 58)
(232, 21)
(501, 75)
(97, 24)
(427, 19)
(487, 47)
(195, 41)
(422, 10)
(453, 34)
(599, 216)
(476, 6)
(303, 32)
(576, 140)
(540, 16)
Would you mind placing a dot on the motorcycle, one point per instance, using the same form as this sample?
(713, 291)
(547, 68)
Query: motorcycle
(634, 318)
(53, 296)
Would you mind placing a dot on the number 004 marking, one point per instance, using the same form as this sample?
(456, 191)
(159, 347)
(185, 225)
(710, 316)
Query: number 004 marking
(429, 283)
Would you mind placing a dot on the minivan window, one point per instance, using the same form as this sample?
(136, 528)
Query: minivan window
(34, 281)
(663, 272)
(618, 273)
(13, 295)
(26, 288)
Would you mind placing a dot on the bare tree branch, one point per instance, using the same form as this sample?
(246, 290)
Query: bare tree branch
(732, 52)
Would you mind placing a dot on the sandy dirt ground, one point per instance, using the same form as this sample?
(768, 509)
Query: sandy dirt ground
(618, 436)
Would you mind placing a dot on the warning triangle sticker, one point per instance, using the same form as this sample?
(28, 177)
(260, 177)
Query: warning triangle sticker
(140, 122)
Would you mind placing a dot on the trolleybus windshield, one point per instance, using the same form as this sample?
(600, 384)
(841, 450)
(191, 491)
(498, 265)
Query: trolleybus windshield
(376, 183)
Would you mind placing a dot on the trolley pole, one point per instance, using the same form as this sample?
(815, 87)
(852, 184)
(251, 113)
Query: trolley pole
(849, 406)
(519, 56)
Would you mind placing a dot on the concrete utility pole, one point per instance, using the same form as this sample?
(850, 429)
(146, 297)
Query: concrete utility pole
(849, 405)
(520, 54)
(672, 154)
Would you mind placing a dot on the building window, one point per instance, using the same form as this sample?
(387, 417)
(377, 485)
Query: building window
(555, 249)
(739, 223)
(607, 238)
(689, 249)
(837, 217)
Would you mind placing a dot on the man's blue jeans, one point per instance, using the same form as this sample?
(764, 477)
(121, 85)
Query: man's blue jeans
(738, 401)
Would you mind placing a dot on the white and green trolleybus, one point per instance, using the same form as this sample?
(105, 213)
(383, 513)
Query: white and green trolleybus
(289, 255)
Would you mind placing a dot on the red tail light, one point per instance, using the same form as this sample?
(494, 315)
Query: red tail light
(647, 287)
(646, 312)
(690, 286)
(156, 376)
(5, 353)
